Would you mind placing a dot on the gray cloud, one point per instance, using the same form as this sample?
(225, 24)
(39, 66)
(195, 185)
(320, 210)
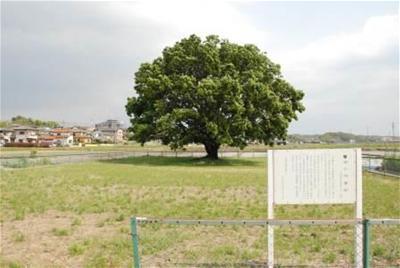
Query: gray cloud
(70, 61)
(75, 61)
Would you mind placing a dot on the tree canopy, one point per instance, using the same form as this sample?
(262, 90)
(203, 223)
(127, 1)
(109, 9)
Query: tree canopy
(212, 92)
(27, 121)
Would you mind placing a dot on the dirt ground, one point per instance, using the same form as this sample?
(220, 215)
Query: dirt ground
(34, 240)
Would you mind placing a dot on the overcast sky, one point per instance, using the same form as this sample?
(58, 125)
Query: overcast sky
(75, 61)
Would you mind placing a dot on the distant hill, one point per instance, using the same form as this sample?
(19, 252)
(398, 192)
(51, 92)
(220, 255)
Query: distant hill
(337, 137)
(27, 121)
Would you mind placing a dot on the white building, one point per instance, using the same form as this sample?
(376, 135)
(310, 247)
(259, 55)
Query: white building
(109, 131)
(5, 136)
(22, 134)
(110, 136)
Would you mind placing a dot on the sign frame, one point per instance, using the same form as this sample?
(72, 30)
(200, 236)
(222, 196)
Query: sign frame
(358, 234)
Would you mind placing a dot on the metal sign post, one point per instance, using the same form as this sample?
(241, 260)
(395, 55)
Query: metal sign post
(358, 239)
(270, 209)
(318, 176)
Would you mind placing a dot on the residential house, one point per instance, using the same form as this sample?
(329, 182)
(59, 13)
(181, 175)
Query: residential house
(5, 136)
(109, 124)
(24, 134)
(47, 141)
(81, 136)
(51, 140)
(110, 131)
(64, 136)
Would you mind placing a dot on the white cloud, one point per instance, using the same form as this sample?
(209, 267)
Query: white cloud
(350, 79)
(182, 18)
(377, 36)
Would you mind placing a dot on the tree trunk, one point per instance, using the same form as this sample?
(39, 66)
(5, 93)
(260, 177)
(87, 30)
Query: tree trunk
(212, 150)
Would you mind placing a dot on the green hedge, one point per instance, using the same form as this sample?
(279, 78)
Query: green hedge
(391, 164)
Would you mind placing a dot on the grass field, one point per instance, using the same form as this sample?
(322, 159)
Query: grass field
(78, 215)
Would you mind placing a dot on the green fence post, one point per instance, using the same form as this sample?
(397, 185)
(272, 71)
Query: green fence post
(135, 241)
(366, 241)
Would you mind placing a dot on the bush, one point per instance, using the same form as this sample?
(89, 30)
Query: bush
(18, 237)
(76, 249)
(329, 258)
(20, 163)
(33, 153)
(43, 161)
(26, 162)
(60, 232)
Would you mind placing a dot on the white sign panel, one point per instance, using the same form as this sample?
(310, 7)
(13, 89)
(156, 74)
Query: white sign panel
(318, 176)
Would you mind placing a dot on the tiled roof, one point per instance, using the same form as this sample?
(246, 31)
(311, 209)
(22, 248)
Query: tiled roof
(61, 130)
(49, 137)
(23, 128)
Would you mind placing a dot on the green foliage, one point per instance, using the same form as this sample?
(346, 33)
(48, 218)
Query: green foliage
(33, 153)
(27, 121)
(60, 232)
(14, 265)
(76, 222)
(223, 251)
(120, 217)
(110, 253)
(329, 258)
(18, 237)
(378, 251)
(391, 163)
(43, 161)
(76, 249)
(337, 137)
(4, 123)
(18, 163)
(212, 92)
(25, 162)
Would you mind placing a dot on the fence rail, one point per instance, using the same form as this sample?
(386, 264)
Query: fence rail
(375, 253)
(371, 162)
(259, 222)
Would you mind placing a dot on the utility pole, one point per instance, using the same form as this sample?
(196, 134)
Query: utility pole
(392, 131)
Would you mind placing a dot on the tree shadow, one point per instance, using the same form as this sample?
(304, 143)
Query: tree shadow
(182, 161)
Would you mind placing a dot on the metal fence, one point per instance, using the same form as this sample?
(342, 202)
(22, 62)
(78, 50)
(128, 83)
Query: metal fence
(24, 161)
(383, 165)
(372, 163)
(383, 238)
(243, 243)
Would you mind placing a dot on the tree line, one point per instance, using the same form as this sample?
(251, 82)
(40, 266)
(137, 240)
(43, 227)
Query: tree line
(27, 121)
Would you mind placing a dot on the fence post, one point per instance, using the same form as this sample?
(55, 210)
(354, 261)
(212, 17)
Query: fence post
(135, 241)
(366, 242)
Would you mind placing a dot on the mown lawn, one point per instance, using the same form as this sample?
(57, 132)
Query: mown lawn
(78, 215)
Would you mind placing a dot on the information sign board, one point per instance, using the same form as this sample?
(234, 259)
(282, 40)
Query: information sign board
(315, 176)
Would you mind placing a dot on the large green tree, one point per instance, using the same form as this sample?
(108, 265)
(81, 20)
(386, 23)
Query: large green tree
(212, 92)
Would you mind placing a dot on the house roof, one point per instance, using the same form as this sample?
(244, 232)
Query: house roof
(82, 136)
(6, 130)
(49, 137)
(23, 128)
(61, 130)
